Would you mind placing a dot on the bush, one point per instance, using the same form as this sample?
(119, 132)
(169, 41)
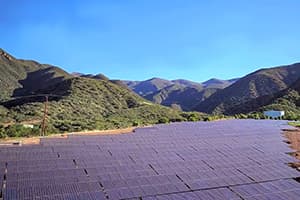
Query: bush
(295, 123)
(63, 125)
(163, 120)
(177, 120)
(2, 132)
(241, 116)
(193, 117)
(254, 116)
(131, 102)
(291, 116)
(135, 123)
(18, 130)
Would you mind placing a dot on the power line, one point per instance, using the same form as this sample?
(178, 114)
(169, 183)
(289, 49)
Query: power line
(45, 115)
(43, 131)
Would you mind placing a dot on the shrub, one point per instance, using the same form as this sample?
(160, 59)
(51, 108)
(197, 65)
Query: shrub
(193, 117)
(18, 130)
(241, 116)
(163, 120)
(2, 132)
(135, 123)
(62, 125)
(178, 119)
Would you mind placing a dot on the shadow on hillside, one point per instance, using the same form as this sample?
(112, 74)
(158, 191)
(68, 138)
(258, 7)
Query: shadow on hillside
(38, 80)
(28, 99)
(37, 86)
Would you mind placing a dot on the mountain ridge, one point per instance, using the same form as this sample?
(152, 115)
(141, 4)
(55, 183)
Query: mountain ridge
(24, 83)
(259, 83)
(74, 102)
(176, 92)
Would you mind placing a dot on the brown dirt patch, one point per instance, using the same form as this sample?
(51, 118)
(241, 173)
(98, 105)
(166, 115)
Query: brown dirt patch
(36, 140)
(293, 137)
(105, 132)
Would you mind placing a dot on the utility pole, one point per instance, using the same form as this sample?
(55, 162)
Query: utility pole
(43, 131)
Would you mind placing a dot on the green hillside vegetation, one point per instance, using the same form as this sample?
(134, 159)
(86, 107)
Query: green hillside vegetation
(295, 123)
(22, 77)
(289, 103)
(287, 100)
(89, 104)
(241, 97)
(76, 102)
(11, 71)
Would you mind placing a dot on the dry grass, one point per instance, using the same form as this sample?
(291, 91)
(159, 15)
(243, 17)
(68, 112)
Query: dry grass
(20, 141)
(36, 140)
(104, 132)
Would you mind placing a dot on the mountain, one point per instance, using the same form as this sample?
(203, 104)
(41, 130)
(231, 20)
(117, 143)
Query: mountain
(252, 91)
(187, 83)
(168, 92)
(76, 102)
(147, 87)
(218, 83)
(287, 100)
(181, 97)
(180, 93)
(22, 77)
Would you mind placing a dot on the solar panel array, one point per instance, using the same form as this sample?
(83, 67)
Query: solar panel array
(232, 159)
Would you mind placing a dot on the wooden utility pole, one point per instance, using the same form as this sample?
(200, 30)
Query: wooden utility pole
(43, 131)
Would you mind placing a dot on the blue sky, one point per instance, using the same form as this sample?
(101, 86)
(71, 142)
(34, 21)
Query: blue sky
(140, 39)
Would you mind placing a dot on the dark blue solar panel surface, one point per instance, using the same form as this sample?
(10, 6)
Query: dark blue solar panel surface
(232, 159)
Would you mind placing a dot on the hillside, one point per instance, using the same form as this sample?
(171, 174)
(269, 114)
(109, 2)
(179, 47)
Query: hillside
(11, 71)
(75, 102)
(23, 77)
(147, 87)
(247, 93)
(180, 93)
(85, 103)
(287, 100)
(181, 97)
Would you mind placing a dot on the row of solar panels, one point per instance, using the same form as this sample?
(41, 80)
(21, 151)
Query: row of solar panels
(280, 189)
(115, 153)
(162, 142)
(168, 156)
(12, 195)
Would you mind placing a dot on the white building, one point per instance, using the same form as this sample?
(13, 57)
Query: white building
(274, 113)
(28, 125)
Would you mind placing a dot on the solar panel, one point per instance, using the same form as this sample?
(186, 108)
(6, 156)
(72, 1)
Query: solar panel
(201, 160)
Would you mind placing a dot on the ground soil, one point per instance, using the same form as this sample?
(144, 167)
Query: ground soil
(36, 140)
(293, 138)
